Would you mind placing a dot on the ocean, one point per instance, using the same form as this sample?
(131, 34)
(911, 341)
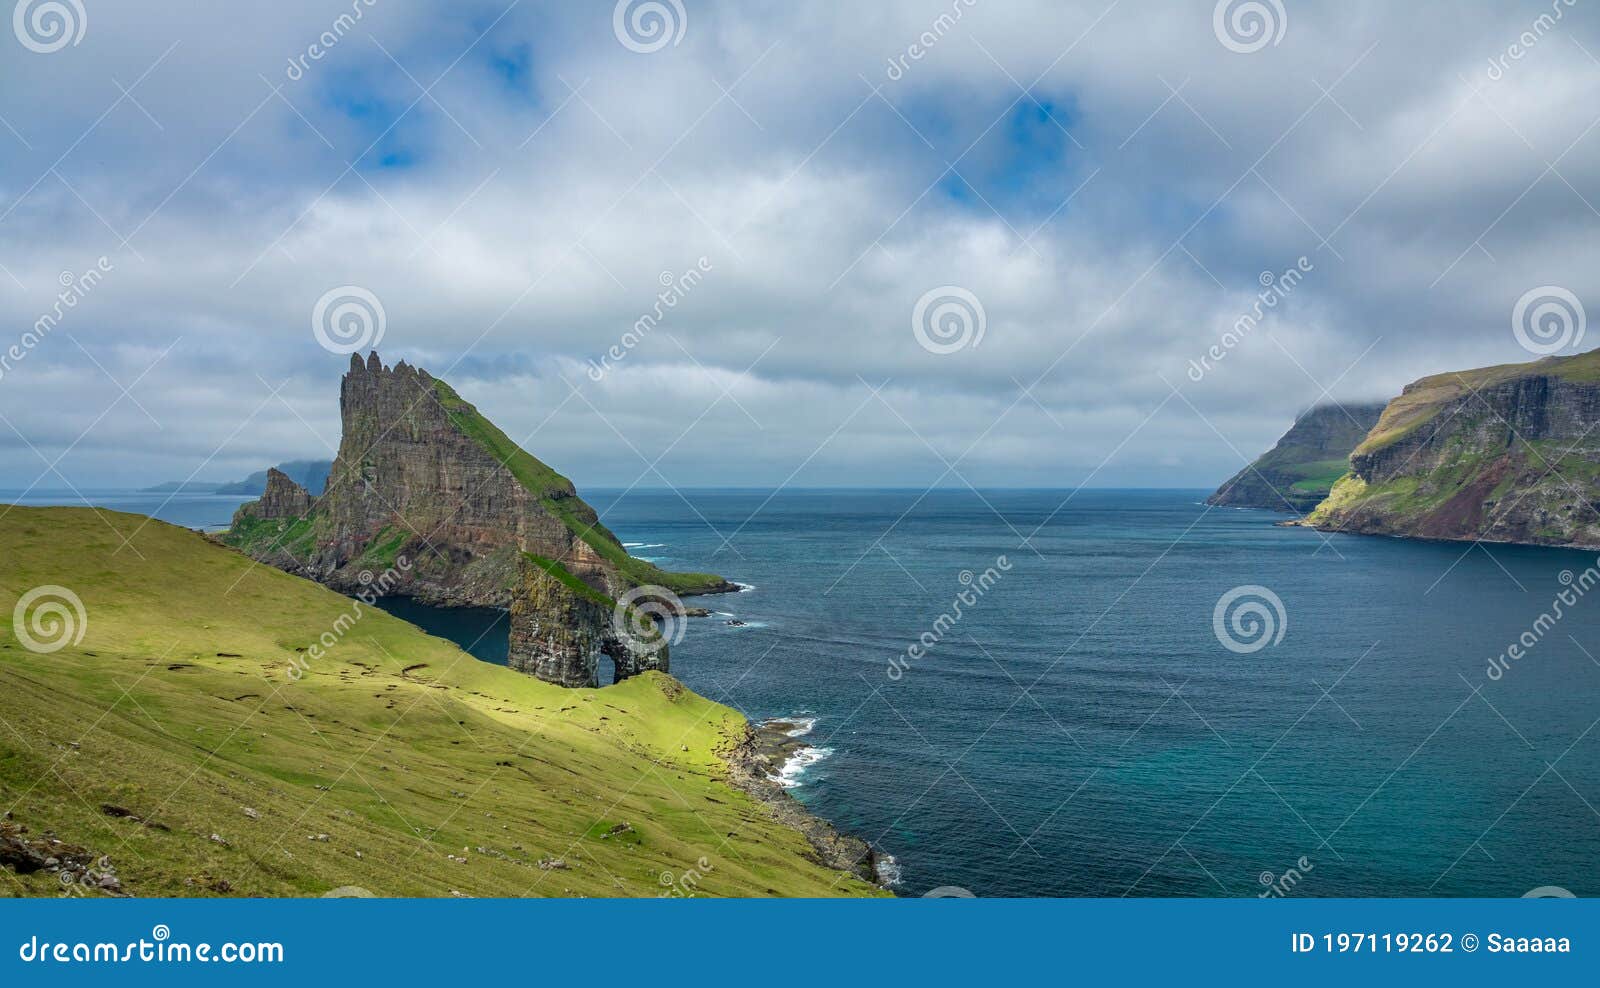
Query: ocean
(1033, 693)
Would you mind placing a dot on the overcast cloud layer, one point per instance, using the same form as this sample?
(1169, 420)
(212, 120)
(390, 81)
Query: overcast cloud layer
(515, 185)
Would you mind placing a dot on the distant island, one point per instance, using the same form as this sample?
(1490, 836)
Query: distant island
(310, 474)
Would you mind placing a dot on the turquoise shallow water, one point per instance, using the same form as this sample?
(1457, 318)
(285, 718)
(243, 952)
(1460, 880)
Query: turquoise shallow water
(1082, 730)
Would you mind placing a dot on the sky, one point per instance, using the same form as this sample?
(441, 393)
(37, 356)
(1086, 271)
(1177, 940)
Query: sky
(697, 243)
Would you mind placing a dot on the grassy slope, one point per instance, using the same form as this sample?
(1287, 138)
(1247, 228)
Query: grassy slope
(540, 479)
(452, 754)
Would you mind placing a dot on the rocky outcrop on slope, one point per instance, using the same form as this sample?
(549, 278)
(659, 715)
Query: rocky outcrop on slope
(283, 498)
(1297, 473)
(428, 499)
(1503, 454)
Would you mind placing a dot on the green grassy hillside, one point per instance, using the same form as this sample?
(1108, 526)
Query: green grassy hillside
(178, 740)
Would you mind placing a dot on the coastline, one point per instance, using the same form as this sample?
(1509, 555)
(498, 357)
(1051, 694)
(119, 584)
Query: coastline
(756, 763)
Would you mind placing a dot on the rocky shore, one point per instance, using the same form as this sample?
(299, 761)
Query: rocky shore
(754, 761)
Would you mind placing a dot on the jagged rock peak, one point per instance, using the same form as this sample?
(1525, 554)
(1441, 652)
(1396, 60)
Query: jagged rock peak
(283, 497)
(374, 365)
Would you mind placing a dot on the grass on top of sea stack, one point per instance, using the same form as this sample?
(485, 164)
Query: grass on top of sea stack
(175, 740)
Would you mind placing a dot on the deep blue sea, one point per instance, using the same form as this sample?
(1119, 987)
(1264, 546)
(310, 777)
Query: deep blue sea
(1081, 728)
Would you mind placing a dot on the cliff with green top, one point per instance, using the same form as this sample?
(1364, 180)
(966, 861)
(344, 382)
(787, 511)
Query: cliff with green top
(430, 500)
(1509, 453)
(1296, 474)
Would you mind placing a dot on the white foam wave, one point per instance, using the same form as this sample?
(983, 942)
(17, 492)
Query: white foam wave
(789, 775)
(888, 869)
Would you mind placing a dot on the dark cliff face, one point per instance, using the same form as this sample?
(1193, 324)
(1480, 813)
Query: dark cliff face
(1504, 454)
(1297, 473)
(430, 501)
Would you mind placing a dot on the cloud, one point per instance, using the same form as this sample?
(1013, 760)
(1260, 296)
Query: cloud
(514, 184)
